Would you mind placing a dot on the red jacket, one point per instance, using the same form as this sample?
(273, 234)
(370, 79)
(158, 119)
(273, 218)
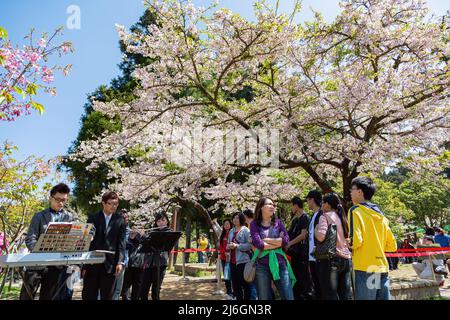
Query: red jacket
(223, 246)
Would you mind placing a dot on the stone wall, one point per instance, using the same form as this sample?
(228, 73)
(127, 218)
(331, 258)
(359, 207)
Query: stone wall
(413, 289)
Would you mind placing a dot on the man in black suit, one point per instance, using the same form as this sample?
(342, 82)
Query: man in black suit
(110, 231)
(50, 278)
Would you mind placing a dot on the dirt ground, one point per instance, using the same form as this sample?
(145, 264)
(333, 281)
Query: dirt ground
(174, 289)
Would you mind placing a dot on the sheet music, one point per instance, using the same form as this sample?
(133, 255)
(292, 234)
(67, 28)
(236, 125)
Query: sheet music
(65, 237)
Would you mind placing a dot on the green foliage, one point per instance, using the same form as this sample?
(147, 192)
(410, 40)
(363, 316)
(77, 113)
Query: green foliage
(39, 107)
(20, 195)
(429, 198)
(388, 199)
(3, 33)
(12, 294)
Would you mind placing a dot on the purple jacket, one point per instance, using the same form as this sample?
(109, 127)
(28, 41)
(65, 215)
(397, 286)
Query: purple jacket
(258, 233)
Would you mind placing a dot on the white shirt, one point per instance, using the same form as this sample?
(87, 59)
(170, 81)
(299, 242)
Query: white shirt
(107, 219)
(56, 216)
(311, 236)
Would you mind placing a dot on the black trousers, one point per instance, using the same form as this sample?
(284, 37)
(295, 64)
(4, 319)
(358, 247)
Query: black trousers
(132, 279)
(393, 263)
(335, 278)
(241, 288)
(315, 279)
(227, 282)
(150, 280)
(96, 280)
(303, 287)
(51, 280)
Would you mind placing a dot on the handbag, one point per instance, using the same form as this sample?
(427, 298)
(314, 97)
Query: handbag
(326, 249)
(250, 269)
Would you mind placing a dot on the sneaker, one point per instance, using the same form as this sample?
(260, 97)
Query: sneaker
(229, 297)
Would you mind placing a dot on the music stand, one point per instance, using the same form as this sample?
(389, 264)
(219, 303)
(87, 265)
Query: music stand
(157, 242)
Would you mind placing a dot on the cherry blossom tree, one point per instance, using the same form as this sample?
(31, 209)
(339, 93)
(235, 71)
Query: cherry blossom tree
(20, 195)
(366, 91)
(24, 71)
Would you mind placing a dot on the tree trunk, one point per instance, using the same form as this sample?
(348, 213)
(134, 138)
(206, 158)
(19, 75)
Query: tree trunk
(197, 230)
(5, 273)
(11, 279)
(347, 177)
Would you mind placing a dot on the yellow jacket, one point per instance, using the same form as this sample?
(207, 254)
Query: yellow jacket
(202, 243)
(372, 237)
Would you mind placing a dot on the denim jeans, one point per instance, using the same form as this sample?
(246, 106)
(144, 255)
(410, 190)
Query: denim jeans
(119, 284)
(371, 286)
(253, 291)
(264, 283)
(201, 257)
(335, 278)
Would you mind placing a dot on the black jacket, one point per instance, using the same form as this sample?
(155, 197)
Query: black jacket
(164, 256)
(111, 239)
(135, 259)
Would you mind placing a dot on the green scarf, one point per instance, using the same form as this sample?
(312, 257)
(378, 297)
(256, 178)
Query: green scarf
(273, 263)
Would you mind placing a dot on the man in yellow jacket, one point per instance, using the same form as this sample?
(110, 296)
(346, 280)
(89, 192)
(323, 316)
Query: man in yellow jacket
(202, 244)
(370, 238)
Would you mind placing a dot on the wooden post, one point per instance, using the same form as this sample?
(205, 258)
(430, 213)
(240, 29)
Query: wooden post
(173, 225)
(186, 255)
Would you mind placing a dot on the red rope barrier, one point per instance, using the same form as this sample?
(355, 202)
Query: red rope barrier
(425, 249)
(419, 252)
(193, 250)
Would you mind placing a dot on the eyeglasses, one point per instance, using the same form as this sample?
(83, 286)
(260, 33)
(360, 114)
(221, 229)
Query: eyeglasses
(112, 204)
(60, 200)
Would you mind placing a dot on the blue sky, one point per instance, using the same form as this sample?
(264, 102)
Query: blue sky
(95, 59)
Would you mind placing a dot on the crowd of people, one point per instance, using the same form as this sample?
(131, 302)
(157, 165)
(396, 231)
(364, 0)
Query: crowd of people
(330, 255)
(292, 261)
(333, 255)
